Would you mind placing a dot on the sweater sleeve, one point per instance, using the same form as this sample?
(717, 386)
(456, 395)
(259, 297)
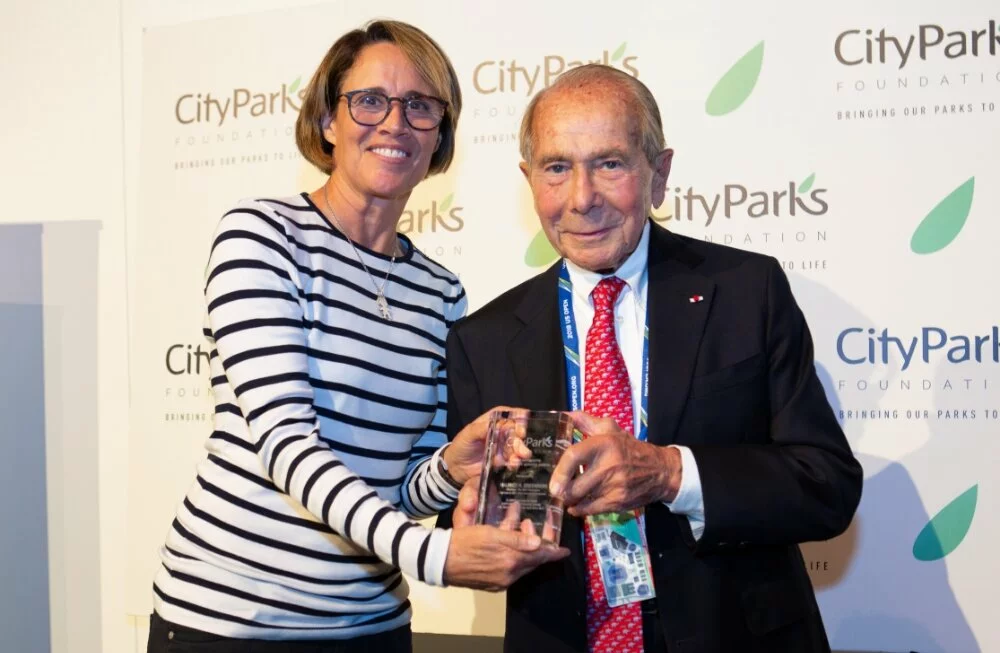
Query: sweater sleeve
(425, 492)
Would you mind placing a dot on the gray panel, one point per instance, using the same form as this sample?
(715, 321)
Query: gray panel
(24, 597)
(70, 288)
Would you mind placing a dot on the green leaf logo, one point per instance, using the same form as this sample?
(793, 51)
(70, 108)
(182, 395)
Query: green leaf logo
(737, 84)
(945, 220)
(295, 85)
(446, 202)
(619, 52)
(947, 529)
(807, 184)
(540, 252)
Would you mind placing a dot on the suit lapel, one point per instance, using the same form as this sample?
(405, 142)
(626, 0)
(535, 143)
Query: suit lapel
(535, 352)
(679, 301)
(539, 367)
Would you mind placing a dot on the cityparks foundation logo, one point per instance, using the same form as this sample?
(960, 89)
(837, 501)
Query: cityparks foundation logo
(505, 85)
(782, 220)
(432, 225)
(859, 346)
(187, 393)
(235, 127)
(856, 47)
(955, 369)
(443, 215)
(527, 78)
(736, 200)
(238, 104)
(917, 72)
(737, 214)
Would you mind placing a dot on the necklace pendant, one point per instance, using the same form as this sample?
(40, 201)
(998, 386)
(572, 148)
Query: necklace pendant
(383, 306)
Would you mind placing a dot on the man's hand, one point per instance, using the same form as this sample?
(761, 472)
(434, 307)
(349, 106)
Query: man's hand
(490, 558)
(620, 472)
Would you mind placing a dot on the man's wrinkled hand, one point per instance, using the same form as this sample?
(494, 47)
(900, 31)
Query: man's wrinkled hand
(618, 472)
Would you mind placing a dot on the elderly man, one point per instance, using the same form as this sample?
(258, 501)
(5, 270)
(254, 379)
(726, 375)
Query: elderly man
(741, 457)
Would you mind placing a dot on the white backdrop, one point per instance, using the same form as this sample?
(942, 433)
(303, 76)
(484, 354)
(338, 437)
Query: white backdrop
(874, 182)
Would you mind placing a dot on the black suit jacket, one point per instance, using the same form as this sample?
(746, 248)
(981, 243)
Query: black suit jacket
(731, 377)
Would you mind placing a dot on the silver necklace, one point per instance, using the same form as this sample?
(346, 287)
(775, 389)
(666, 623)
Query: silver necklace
(380, 301)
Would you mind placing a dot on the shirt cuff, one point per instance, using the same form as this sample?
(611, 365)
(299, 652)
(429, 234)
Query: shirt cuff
(689, 500)
(437, 554)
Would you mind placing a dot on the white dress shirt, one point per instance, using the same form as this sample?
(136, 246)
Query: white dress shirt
(630, 323)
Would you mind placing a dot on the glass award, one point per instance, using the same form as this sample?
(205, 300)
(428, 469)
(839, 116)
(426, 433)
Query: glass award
(522, 449)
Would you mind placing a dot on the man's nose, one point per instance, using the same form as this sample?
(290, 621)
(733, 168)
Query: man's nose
(584, 192)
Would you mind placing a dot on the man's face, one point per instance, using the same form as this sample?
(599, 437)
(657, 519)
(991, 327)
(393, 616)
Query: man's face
(592, 184)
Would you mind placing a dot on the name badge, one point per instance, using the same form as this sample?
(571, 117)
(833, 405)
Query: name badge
(623, 555)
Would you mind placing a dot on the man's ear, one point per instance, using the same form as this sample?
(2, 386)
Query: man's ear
(661, 172)
(523, 165)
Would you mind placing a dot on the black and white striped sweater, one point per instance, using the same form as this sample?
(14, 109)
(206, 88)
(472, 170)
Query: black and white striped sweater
(328, 423)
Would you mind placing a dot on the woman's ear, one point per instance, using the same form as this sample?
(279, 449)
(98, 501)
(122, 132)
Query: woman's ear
(328, 132)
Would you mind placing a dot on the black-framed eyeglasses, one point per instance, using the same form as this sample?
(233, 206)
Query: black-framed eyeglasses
(370, 108)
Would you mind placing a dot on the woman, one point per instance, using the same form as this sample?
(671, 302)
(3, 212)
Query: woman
(328, 333)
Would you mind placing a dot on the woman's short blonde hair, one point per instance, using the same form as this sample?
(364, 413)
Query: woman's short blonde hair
(320, 101)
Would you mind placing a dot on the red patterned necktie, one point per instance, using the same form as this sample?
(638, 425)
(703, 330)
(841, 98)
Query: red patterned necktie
(607, 393)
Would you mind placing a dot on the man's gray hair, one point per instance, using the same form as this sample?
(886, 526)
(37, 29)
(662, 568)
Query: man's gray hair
(641, 102)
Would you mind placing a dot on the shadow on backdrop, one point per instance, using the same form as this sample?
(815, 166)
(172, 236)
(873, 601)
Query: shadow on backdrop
(874, 594)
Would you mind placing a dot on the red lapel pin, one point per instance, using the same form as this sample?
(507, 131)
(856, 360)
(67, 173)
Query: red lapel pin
(694, 299)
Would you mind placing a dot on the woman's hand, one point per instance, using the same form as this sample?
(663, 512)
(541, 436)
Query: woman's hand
(464, 456)
(467, 504)
(490, 558)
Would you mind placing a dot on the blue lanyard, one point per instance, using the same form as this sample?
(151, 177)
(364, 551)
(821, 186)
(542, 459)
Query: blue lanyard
(572, 348)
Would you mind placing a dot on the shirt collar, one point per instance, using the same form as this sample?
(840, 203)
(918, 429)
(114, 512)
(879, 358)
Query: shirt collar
(632, 271)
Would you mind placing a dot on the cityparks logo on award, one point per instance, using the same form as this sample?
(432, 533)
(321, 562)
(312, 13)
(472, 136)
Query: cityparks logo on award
(187, 390)
(504, 85)
(918, 71)
(236, 126)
